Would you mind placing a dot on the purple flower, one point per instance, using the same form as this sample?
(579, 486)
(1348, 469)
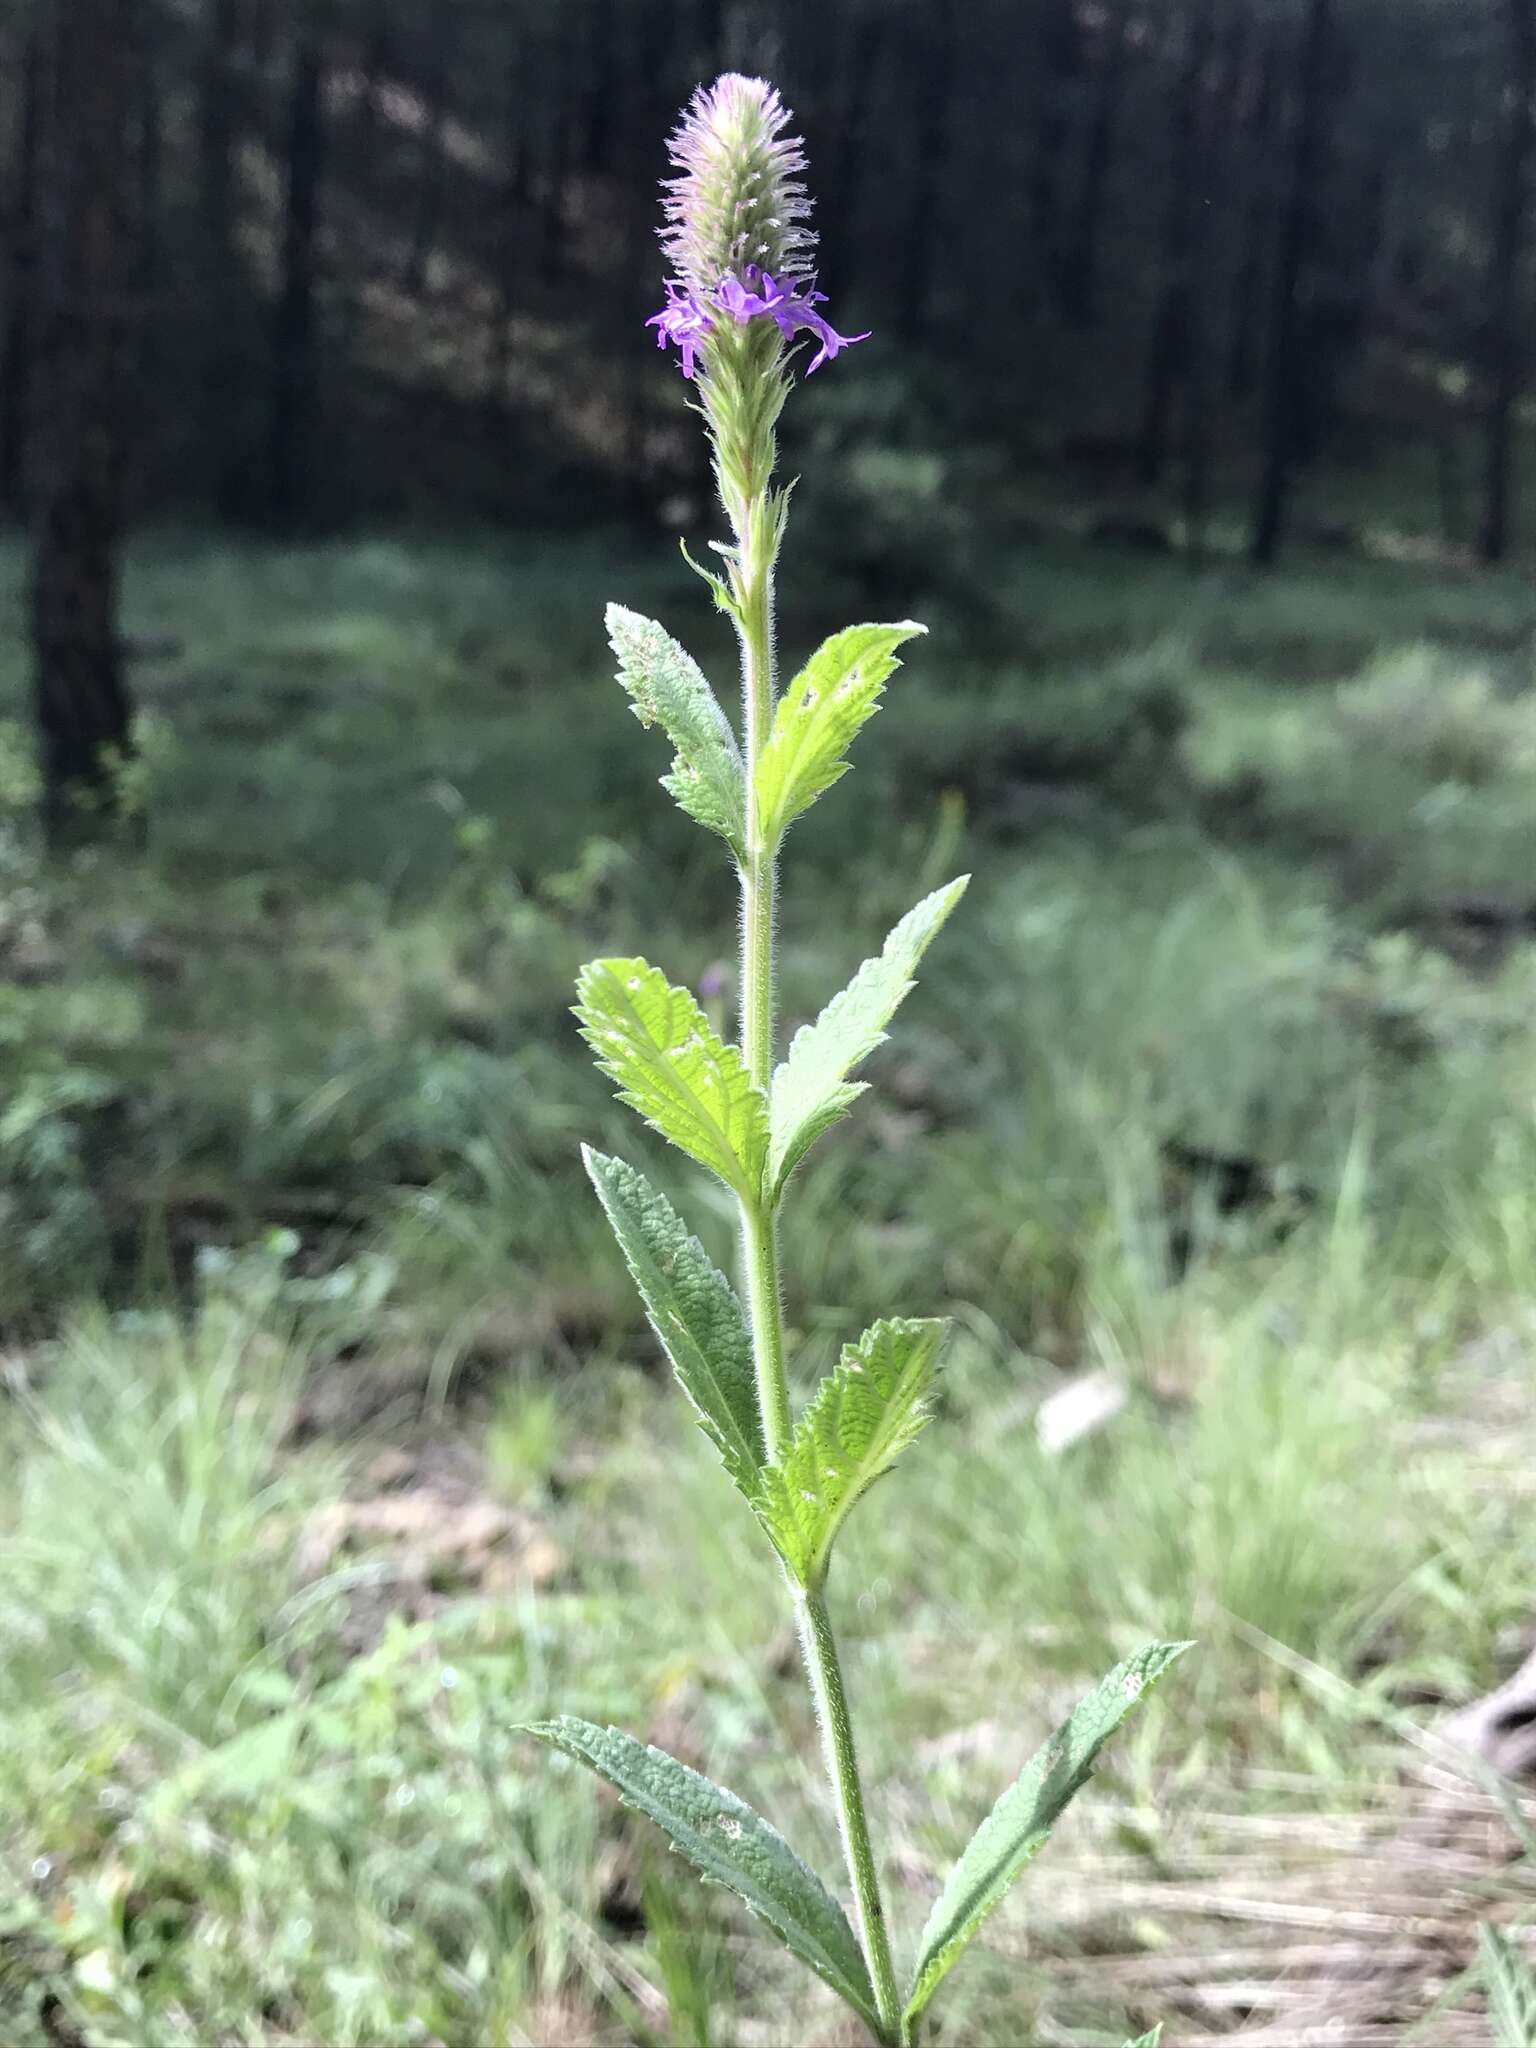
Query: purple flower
(682, 319)
(790, 303)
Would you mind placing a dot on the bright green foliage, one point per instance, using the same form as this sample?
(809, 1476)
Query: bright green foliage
(730, 1844)
(1151, 2040)
(667, 688)
(1020, 1824)
(1511, 1991)
(811, 1089)
(655, 1042)
(862, 1419)
(816, 719)
(693, 1310)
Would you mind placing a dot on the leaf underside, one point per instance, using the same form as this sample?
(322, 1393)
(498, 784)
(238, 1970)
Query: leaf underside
(811, 1089)
(731, 1845)
(655, 1043)
(693, 1310)
(817, 717)
(667, 687)
(1020, 1823)
(864, 1415)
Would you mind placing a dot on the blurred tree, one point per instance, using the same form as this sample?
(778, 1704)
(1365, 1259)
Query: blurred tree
(1285, 371)
(21, 259)
(293, 344)
(1505, 342)
(81, 702)
(1255, 186)
(219, 384)
(1080, 263)
(1176, 257)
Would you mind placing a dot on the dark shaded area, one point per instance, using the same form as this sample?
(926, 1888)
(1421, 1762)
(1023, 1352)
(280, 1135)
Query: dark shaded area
(363, 231)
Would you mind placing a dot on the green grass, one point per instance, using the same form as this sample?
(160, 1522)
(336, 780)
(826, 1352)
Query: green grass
(1225, 831)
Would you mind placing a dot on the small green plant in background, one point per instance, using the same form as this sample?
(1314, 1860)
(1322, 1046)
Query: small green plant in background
(741, 302)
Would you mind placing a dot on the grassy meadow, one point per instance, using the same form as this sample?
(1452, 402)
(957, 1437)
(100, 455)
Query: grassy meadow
(333, 1445)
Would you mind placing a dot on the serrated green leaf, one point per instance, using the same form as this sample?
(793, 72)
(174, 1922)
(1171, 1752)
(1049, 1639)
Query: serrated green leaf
(660, 1049)
(693, 1310)
(1020, 1823)
(1511, 1990)
(817, 717)
(810, 1088)
(864, 1415)
(667, 688)
(731, 1845)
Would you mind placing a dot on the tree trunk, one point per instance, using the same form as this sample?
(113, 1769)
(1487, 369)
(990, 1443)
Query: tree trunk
(1170, 323)
(1258, 148)
(18, 336)
(81, 705)
(557, 154)
(293, 351)
(1080, 271)
(934, 81)
(855, 80)
(1202, 393)
(1504, 350)
(1058, 59)
(219, 392)
(432, 159)
(1297, 233)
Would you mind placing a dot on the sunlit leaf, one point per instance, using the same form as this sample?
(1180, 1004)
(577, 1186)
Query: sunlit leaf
(810, 1088)
(667, 688)
(817, 717)
(693, 1310)
(864, 1415)
(730, 1844)
(660, 1049)
(1020, 1824)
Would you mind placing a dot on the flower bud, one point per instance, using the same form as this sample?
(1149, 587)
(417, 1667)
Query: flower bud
(739, 198)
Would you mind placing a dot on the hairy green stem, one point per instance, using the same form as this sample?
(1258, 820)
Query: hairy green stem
(761, 1258)
(819, 1647)
(755, 536)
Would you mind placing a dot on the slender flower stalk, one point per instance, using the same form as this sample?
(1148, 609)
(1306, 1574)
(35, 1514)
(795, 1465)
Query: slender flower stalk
(740, 305)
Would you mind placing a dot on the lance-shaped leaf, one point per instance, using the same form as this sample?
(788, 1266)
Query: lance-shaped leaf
(655, 1042)
(693, 1310)
(1148, 2040)
(667, 688)
(864, 1415)
(817, 717)
(1019, 1825)
(731, 1845)
(810, 1088)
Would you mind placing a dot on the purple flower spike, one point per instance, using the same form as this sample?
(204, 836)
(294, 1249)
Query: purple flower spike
(738, 231)
(790, 303)
(684, 320)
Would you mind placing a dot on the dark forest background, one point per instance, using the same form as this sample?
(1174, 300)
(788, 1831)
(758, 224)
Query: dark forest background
(372, 258)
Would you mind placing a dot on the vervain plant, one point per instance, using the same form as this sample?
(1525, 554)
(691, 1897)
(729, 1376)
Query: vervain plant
(741, 303)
